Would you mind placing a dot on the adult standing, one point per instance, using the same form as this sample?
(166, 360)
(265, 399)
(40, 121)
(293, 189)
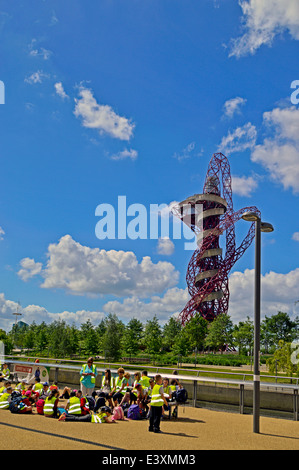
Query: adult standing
(88, 375)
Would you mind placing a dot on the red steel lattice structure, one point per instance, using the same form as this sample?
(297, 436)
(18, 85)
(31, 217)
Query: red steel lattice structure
(208, 269)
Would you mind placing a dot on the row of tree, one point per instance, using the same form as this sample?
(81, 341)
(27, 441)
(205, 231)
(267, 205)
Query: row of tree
(113, 339)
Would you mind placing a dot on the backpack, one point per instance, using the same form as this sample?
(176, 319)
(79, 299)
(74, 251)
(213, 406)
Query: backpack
(40, 406)
(15, 394)
(133, 412)
(181, 395)
(91, 402)
(99, 403)
(118, 413)
(16, 405)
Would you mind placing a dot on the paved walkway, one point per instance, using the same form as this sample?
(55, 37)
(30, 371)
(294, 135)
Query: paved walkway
(195, 429)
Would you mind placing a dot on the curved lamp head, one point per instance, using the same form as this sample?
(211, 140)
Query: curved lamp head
(266, 227)
(250, 216)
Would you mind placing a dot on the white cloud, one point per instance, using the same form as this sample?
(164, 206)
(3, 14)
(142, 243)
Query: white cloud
(1, 233)
(60, 90)
(171, 303)
(279, 292)
(132, 154)
(232, 106)
(165, 246)
(36, 77)
(101, 117)
(82, 270)
(39, 314)
(54, 20)
(29, 268)
(187, 152)
(243, 186)
(240, 139)
(34, 51)
(279, 154)
(262, 21)
(7, 308)
(295, 236)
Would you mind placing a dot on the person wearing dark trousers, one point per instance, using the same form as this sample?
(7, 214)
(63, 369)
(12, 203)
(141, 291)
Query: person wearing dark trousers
(157, 402)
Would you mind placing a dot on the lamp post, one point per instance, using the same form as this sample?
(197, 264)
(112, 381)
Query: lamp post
(259, 227)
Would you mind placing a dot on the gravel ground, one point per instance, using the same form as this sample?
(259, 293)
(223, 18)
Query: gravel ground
(195, 429)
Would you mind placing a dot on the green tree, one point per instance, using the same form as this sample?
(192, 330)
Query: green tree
(89, 338)
(112, 338)
(29, 337)
(59, 339)
(282, 360)
(267, 338)
(73, 335)
(7, 341)
(153, 336)
(196, 331)
(219, 332)
(41, 341)
(100, 330)
(243, 335)
(280, 327)
(182, 343)
(171, 331)
(132, 336)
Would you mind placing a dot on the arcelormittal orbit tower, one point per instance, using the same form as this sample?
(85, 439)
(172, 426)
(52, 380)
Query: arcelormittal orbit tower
(210, 264)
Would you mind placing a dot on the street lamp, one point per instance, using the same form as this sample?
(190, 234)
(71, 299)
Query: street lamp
(259, 227)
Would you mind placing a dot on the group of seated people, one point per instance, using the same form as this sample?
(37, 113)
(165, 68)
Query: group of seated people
(115, 392)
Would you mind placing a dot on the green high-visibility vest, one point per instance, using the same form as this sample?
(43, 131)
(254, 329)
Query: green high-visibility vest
(38, 386)
(6, 373)
(4, 403)
(145, 381)
(49, 406)
(98, 418)
(93, 379)
(157, 399)
(134, 391)
(111, 382)
(118, 384)
(75, 407)
(20, 386)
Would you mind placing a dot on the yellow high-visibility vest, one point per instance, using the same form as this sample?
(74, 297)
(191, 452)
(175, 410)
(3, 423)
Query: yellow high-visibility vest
(93, 379)
(111, 382)
(118, 384)
(6, 373)
(75, 407)
(144, 381)
(49, 406)
(4, 403)
(98, 418)
(157, 399)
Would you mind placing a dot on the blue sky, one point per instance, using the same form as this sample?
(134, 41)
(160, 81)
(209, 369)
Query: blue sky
(131, 98)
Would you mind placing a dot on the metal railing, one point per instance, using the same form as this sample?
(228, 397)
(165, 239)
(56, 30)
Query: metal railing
(159, 369)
